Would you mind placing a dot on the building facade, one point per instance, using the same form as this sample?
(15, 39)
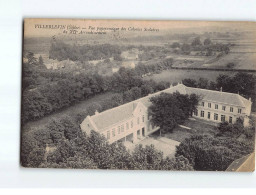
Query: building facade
(131, 122)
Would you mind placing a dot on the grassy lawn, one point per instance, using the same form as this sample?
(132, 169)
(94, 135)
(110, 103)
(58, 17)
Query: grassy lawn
(197, 127)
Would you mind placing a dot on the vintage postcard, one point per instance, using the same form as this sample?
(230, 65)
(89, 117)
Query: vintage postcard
(138, 95)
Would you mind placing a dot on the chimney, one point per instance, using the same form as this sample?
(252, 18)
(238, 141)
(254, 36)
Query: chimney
(221, 89)
(250, 99)
(171, 85)
(96, 112)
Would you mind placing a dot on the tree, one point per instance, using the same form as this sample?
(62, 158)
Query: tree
(185, 48)
(230, 65)
(196, 42)
(168, 110)
(41, 61)
(175, 45)
(189, 82)
(207, 153)
(225, 82)
(231, 130)
(203, 83)
(207, 41)
(118, 57)
(31, 58)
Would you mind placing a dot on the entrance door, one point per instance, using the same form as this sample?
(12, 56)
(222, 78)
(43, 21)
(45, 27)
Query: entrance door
(143, 132)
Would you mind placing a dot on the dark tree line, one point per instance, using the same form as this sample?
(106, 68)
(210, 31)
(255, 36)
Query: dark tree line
(63, 51)
(206, 46)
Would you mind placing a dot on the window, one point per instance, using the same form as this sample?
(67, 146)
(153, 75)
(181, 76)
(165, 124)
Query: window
(222, 118)
(224, 108)
(230, 119)
(215, 116)
(202, 113)
(131, 124)
(196, 112)
(122, 128)
(216, 106)
(108, 135)
(231, 109)
(239, 110)
(209, 105)
(118, 129)
(127, 126)
(138, 120)
(209, 115)
(143, 118)
(203, 104)
(113, 132)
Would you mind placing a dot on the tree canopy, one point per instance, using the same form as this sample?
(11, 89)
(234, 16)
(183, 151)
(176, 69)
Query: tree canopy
(168, 110)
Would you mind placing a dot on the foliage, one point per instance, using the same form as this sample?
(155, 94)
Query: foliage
(168, 110)
(62, 51)
(89, 151)
(207, 153)
(207, 41)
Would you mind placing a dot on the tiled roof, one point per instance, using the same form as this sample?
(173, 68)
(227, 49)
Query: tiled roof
(221, 97)
(244, 164)
(112, 116)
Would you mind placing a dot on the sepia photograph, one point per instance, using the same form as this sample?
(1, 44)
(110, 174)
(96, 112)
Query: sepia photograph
(138, 95)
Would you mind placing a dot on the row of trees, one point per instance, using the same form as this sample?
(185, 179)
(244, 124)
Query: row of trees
(196, 45)
(61, 144)
(63, 51)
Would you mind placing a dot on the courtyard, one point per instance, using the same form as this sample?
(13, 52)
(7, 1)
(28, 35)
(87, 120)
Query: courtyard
(190, 127)
(168, 141)
(165, 145)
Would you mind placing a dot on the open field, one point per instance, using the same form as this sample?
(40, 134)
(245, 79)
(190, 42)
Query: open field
(71, 111)
(240, 59)
(175, 75)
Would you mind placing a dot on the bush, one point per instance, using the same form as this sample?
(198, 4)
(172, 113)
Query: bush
(207, 153)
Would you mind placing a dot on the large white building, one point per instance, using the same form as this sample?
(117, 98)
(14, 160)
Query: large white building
(131, 121)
